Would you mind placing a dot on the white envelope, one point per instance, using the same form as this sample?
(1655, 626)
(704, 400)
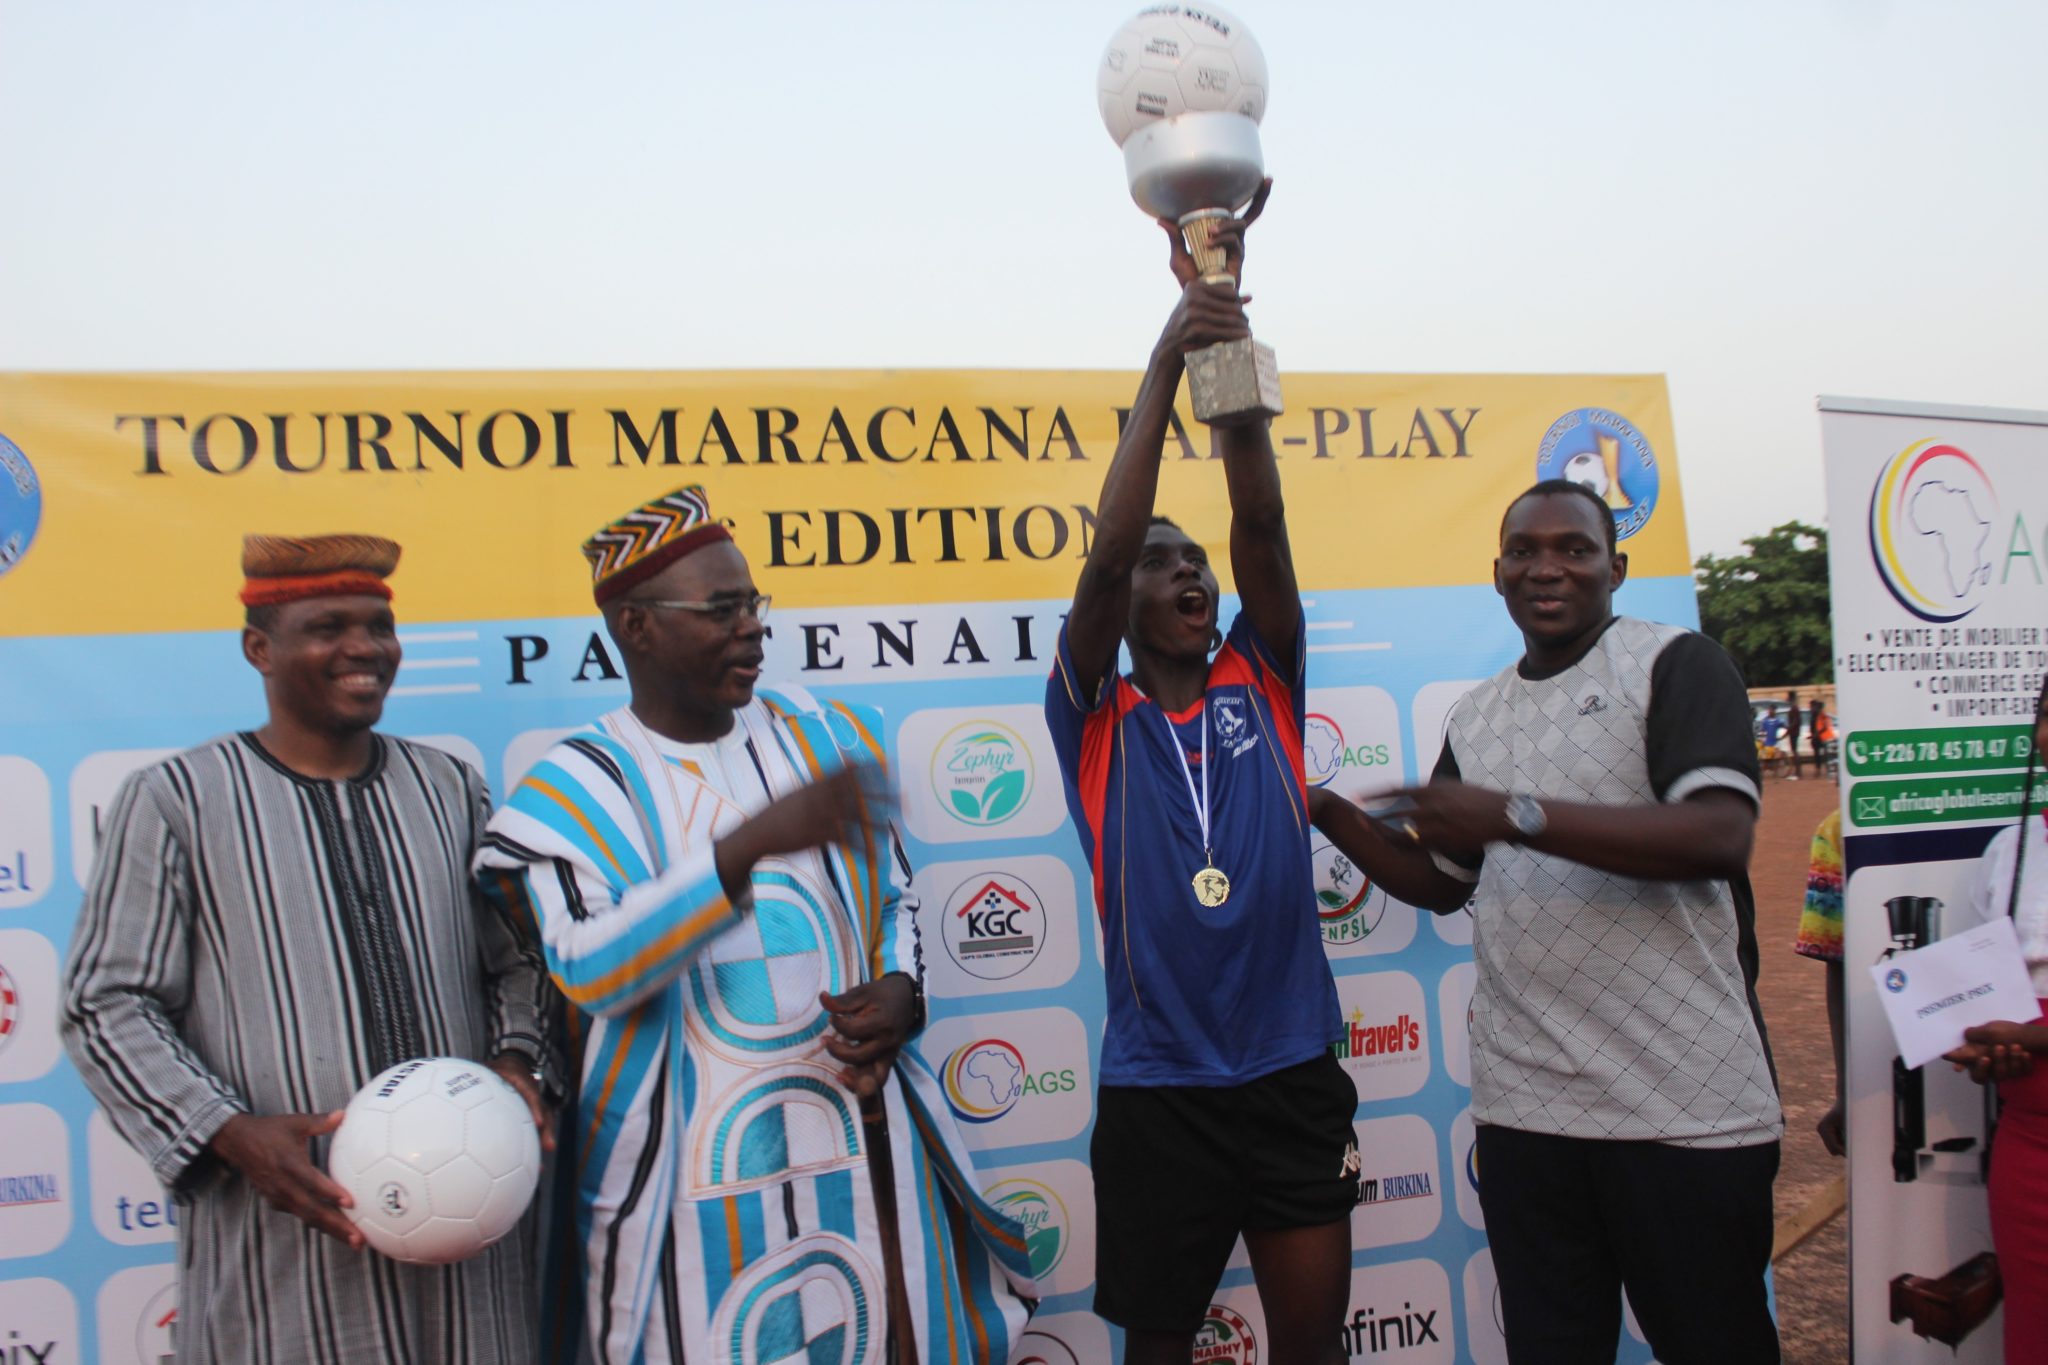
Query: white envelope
(1930, 995)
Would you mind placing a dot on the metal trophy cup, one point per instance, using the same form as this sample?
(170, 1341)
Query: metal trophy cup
(1182, 90)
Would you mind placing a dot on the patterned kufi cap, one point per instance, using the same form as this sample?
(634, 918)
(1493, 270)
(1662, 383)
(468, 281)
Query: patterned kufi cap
(648, 539)
(288, 568)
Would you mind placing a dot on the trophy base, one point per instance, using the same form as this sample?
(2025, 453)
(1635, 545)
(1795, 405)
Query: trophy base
(1234, 382)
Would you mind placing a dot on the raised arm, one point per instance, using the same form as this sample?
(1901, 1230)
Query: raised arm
(1260, 560)
(1102, 597)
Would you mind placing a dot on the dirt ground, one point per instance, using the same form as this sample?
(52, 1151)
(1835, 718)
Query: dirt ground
(1813, 1280)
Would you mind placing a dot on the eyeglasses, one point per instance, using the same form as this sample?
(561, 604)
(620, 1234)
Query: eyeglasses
(724, 612)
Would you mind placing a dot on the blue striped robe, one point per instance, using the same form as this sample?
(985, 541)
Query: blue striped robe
(724, 1210)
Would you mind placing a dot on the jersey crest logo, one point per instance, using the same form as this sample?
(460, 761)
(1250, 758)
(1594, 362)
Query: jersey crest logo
(1230, 726)
(1592, 706)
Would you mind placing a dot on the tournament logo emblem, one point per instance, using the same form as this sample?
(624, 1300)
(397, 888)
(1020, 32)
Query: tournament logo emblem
(1226, 1336)
(1603, 451)
(10, 1007)
(994, 926)
(1931, 512)
(1895, 981)
(984, 1080)
(1348, 906)
(982, 772)
(1044, 1216)
(21, 504)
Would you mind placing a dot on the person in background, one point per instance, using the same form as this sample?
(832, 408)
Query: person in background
(1793, 718)
(2012, 880)
(1820, 938)
(1771, 729)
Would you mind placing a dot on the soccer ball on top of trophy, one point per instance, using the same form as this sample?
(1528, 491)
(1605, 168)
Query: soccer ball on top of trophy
(1182, 89)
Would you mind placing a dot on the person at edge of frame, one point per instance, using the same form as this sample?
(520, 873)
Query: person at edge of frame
(273, 919)
(1596, 802)
(1185, 783)
(2012, 880)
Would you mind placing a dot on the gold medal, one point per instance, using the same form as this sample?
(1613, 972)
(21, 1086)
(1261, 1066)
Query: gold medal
(1212, 888)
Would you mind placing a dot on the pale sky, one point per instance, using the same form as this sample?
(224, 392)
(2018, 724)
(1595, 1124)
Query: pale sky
(1762, 201)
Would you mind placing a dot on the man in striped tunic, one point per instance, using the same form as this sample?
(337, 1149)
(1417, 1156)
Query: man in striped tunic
(274, 918)
(766, 1171)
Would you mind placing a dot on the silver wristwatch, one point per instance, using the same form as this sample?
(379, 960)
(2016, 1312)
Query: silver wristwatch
(1525, 815)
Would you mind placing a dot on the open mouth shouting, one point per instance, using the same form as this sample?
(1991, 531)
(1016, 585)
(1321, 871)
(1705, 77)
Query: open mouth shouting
(1195, 607)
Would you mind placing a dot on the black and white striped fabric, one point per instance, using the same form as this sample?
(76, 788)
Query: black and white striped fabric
(1607, 1006)
(254, 940)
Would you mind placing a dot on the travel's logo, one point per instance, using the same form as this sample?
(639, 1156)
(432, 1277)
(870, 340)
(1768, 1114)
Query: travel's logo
(994, 926)
(982, 772)
(1225, 1336)
(1347, 908)
(1604, 452)
(984, 1079)
(1931, 513)
(21, 504)
(1044, 1217)
(1392, 1041)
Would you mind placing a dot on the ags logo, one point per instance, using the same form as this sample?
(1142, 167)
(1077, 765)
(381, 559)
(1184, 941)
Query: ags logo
(1226, 1336)
(1603, 451)
(1931, 511)
(984, 1080)
(987, 1078)
(1327, 754)
(981, 772)
(994, 925)
(1044, 1216)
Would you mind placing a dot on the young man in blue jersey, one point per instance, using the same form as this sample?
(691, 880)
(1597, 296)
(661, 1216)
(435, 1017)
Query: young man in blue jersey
(1222, 1111)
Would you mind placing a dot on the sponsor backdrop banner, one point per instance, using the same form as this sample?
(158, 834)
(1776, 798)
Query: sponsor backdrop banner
(921, 533)
(1936, 565)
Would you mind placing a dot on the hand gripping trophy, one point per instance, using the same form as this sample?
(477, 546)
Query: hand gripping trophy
(1182, 89)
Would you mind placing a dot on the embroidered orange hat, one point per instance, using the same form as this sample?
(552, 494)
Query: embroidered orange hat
(648, 539)
(290, 568)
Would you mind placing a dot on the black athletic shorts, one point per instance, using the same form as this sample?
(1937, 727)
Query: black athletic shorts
(1181, 1170)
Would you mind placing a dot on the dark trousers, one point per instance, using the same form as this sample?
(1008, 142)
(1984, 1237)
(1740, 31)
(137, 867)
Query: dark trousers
(1685, 1230)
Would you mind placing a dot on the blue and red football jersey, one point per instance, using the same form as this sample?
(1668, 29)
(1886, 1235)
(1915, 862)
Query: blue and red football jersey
(1199, 995)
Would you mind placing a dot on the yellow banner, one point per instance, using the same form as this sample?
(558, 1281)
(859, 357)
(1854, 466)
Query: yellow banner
(843, 487)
